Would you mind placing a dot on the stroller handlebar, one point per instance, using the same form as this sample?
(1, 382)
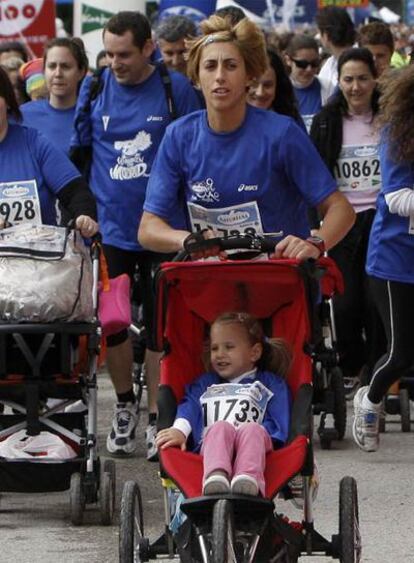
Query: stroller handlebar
(197, 243)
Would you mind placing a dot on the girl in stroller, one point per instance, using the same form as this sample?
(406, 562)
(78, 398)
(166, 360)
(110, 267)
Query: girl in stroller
(237, 412)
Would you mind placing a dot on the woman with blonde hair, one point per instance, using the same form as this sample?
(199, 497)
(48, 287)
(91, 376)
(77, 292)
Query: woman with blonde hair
(234, 168)
(390, 259)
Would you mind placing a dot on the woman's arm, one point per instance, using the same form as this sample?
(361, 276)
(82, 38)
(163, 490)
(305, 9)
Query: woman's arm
(156, 234)
(338, 217)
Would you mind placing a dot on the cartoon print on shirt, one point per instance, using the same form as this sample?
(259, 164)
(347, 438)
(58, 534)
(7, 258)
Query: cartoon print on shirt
(131, 164)
(204, 191)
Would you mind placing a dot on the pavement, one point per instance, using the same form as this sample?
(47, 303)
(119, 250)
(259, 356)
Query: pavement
(36, 528)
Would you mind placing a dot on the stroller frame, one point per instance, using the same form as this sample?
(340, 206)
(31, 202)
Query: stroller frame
(25, 390)
(252, 525)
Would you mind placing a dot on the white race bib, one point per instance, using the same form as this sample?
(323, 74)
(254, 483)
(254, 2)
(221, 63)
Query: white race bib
(19, 203)
(235, 220)
(236, 403)
(358, 168)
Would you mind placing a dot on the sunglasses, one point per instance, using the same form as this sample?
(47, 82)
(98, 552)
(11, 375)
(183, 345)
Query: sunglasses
(303, 63)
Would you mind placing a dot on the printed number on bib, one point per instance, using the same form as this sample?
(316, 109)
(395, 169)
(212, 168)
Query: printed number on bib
(227, 221)
(19, 203)
(235, 403)
(358, 169)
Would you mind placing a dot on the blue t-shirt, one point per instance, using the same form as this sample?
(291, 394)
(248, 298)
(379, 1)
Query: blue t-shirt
(391, 244)
(55, 124)
(125, 127)
(261, 177)
(277, 416)
(29, 162)
(309, 101)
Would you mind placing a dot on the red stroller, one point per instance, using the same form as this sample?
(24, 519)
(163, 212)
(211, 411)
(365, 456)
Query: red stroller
(237, 528)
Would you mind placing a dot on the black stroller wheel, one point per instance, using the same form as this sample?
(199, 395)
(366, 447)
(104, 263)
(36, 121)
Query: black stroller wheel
(339, 413)
(223, 537)
(77, 499)
(405, 410)
(131, 524)
(107, 488)
(350, 538)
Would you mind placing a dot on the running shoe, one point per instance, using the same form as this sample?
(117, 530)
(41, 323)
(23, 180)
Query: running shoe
(351, 386)
(150, 435)
(296, 486)
(122, 437)
(244, 485)
(365, 428)
(216, 484)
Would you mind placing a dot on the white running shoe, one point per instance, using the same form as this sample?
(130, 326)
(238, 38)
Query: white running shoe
(150, 435)
(365, 428)
(122, 437)
(216, 484)
(244, 485)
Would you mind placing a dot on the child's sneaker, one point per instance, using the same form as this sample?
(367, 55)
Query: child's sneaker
(122, 437)
(216, 484)
(365, 428)
(150, 435)
(244, 485)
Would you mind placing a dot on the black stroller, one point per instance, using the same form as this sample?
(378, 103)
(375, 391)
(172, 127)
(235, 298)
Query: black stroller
(45, 367)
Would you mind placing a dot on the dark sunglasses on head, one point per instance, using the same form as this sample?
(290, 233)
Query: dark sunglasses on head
(303, 63)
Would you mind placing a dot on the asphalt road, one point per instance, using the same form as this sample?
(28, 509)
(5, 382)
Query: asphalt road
(37, 528)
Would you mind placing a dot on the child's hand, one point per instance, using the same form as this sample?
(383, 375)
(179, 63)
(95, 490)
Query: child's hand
(170, 437)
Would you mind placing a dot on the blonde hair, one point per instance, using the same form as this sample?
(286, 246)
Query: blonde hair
(276, 356)
(247, 37)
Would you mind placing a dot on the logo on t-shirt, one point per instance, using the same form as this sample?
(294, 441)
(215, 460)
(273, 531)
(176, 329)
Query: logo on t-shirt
(131, 163)
(105, 121)
(204, 191)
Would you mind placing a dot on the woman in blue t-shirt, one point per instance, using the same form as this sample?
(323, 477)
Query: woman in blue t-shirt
(235, 168)
(33, 174)
(390, 259)
(65, 65)
(302, 56)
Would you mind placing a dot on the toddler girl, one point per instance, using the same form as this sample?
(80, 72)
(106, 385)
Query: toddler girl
(237, 412)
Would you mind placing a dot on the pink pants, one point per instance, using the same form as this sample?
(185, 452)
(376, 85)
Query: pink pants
(236, 450)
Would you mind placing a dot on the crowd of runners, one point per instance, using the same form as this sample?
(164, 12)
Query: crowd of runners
(307, 134)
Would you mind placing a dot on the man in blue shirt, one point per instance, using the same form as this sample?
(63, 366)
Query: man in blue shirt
(123, 126)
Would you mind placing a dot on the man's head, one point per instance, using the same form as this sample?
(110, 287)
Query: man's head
(378, 39)
(336, 27)
(128, 45)
(171, 34)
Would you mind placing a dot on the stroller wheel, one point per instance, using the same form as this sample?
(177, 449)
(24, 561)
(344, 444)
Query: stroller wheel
(405, 410)
(131, 524)
(77, 499)
(107, 492)
(349, 534)
(339, 413)
(223, 537)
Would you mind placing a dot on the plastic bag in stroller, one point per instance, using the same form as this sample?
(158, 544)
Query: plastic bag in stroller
(50, 340)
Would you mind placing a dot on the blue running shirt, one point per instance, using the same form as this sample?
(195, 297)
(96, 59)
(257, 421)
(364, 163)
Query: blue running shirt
(125, 128)
(55, 124)
(32, 172)
(391, 244)
(261, 177)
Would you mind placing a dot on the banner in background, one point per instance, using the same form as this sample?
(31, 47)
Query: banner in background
(90, 16)
(30, 21)
(409, 12)
(197, 10)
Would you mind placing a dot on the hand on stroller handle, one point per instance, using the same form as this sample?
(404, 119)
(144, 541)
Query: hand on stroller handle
(197, 243)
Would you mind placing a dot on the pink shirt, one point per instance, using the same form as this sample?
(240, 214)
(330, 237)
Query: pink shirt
(358, 170)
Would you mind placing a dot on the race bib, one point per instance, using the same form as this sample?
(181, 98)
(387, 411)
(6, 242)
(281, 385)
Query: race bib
(236, 403)
(358, 169)
(19, 203)
(236, 220)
